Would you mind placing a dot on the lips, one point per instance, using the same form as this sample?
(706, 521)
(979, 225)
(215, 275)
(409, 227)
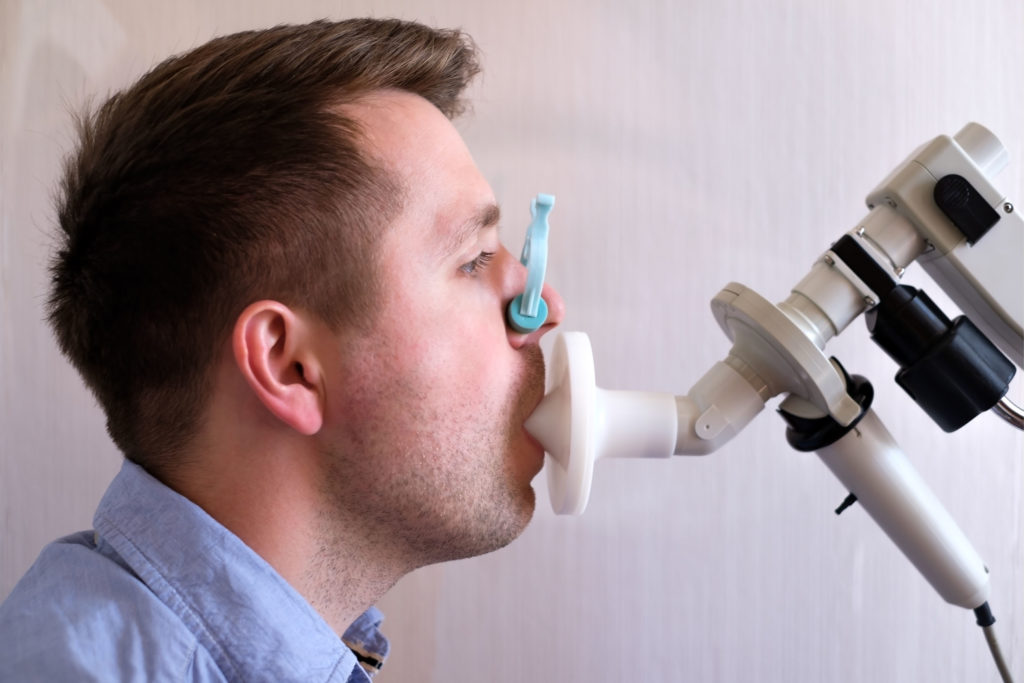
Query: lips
(530, 396)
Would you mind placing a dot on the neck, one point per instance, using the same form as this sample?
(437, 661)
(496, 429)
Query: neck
(278, 510)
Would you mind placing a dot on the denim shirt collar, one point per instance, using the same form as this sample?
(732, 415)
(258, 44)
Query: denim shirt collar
(251, 621)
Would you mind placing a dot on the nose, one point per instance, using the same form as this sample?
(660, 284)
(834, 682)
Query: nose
(515, 283)
(556, 311)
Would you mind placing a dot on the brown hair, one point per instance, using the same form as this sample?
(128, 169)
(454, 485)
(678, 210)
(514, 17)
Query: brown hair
(226, 175)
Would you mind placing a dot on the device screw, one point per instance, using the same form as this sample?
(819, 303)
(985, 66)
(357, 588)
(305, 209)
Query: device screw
(1008, 207)
(829, 260)
(900, 272)
(890, 202)
(860, 232)
(869, 301)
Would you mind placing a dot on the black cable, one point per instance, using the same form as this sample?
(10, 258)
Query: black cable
(985, 621)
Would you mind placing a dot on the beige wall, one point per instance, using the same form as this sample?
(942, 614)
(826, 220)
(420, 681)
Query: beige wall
(690, 143)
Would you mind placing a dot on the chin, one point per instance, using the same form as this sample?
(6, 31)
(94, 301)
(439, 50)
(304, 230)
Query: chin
(520, 511)
(531, 503)
(529, 507)
(518, 526)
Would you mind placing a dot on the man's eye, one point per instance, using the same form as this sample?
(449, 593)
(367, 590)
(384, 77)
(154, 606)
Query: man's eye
(477, 264)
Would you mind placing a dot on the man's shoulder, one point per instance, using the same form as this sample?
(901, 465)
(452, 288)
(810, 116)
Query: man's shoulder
(74, 582)
(81, 614)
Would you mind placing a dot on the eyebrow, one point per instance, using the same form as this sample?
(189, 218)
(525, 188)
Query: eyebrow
(486, 217)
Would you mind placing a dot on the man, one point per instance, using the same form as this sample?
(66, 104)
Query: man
(280, 274)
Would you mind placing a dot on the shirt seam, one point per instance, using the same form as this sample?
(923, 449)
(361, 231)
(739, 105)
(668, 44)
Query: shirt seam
(187, 613)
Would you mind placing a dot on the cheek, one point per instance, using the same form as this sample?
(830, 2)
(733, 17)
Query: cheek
(475, 343)
(447, 340)
(440, 357)
(467, 365)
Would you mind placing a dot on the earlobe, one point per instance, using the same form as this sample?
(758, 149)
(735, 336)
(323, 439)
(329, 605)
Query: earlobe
(273, 349)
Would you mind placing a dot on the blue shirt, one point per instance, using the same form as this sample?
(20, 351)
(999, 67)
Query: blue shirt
(160, 591)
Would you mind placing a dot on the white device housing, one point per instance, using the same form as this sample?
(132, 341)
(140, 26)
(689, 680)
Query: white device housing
(779, 350)
(870, 463)
(984, 279)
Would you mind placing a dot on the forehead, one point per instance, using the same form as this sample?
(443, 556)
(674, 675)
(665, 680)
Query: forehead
(443, 191)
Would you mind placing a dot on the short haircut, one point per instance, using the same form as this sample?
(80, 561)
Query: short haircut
(226, 175)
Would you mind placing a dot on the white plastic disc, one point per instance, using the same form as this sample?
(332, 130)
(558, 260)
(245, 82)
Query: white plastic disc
(564, 423)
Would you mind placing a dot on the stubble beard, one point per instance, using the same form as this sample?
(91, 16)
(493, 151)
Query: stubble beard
(451, 489)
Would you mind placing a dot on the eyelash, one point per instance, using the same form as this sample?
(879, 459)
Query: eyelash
(477, 264)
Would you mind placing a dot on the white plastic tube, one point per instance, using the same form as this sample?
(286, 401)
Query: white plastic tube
(872, 466)
(716, 409)
(829, 297)
(635, 424)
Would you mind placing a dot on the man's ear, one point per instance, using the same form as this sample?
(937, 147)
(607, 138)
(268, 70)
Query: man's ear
(273, 348)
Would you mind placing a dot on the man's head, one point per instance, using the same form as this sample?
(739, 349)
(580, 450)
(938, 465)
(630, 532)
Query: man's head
(281, 272)
(225, 175)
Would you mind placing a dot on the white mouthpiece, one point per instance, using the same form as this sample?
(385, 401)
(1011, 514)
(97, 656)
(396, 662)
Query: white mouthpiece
(577, 423)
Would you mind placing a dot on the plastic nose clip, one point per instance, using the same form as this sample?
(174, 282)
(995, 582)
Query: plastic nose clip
(528, 311)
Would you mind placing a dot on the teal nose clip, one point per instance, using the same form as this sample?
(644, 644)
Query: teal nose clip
(528, 311)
